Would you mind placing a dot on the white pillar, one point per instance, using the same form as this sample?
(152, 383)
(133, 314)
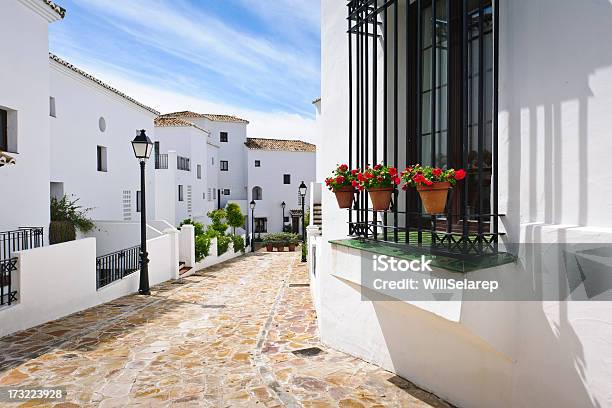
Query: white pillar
(187, 245)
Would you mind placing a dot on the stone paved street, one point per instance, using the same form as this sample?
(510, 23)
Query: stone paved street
(221, 338)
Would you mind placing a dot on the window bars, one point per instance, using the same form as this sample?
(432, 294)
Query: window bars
(423, 80)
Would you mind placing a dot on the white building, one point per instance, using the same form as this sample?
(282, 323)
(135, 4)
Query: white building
(541, 157)
(92, 126)
(183, 170)
(24, 109)
(276, 168)
(229, 133)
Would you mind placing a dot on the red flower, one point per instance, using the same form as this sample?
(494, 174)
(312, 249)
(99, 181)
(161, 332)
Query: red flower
(360, 177)
(459, 174)
(418, 178)
(355, 183)
(429, 183)
(436, 172)
(377, 167)
(343, 168)
(354, 172)
(397, 180)
(392, 171)
(369, 176)
(340, 179)
(327, 181)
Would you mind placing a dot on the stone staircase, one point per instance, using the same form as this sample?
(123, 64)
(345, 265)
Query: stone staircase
(317, 215)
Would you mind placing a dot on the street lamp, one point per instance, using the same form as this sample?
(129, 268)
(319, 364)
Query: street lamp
(252, 205)
(283, 205)
(302, 193)
(143, 147)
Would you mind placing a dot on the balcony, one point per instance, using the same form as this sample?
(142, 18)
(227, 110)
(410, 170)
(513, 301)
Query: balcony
(183, 163)
(161, 161)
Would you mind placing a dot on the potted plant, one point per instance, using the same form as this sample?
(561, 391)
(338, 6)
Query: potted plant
(343, 183)
(433, 184)
(268, 242)
(379, 181)
(280, 246)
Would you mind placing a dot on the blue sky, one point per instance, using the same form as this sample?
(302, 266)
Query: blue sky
(248, 57)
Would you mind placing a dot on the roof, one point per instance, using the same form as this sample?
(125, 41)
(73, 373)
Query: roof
(279, 144)
(316, 100)
(5, 159)
(210, 116)
(68, 65)
(169, 121)
(59, 10)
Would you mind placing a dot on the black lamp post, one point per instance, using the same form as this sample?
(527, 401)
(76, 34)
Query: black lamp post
(283, 205)
(142, 150)
(302, 192)
(252, 205)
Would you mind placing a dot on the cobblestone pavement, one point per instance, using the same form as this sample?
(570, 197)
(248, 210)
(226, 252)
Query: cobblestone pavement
(221, 338)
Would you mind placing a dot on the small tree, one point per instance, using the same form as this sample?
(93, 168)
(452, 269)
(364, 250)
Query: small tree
(218, 217)
(66, 217)
(234, 215)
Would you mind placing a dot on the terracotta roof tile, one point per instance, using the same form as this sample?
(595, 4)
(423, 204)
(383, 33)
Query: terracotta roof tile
(59, 10)
(279, 144)
(209, 116)
(169, 121)
(102, 84)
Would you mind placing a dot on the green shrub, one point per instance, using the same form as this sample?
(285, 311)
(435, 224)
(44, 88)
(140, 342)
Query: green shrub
(197, 226)
(202, 247)
(69, 211)
(223, 244)
(61, 231)
(234, 216)
(281, 238)
(287, 228)
(238, 243)
(217, 217)
(304, 250)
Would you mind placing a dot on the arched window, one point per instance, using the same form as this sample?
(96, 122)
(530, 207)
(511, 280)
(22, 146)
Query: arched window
(257, 193)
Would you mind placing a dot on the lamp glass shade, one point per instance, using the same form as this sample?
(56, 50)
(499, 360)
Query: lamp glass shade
(283, 204)
(302, 189)
(252, 204)
(142, 145)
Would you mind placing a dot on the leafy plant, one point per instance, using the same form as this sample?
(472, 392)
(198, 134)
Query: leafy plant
(61, 231)
(377, 176)
(217, 217)
(234, 216)
(68, 210)
(223, 242)
(418, 175)
(341, 177)
(238, 243)
(281, 238)
(197, 226)
(304, 250)
(287, 228)
(202, 247)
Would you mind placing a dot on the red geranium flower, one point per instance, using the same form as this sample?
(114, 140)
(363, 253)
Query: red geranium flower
(436, 172)
(343, 168)
(459, 174)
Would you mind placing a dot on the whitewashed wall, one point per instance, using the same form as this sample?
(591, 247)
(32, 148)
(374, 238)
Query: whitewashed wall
(274, 164)
(24, 91)
(58, 280)
(75, 135)
(212, 182)
(555, 98)
(114, 236)
(188, 142)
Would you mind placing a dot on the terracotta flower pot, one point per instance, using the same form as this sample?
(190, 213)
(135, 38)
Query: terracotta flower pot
(344, 196)
(381, 197)
(280, 247)
(269, 247)
(291, 247)
(434, 197)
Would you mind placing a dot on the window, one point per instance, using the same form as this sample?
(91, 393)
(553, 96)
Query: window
(261, 225)
(52, 107)
(102, 124)
(183, 163)
(226, 191)
(257, 163)
(212, 160)
(285, 219)
(214, 193)
(224, 165)
(180, 193)
(209, 194)
(223, 137)
(101, 158)
(138, 201)
(3, 130)
(199, 169)
(286, 178)
(257, 193)
(203, 196)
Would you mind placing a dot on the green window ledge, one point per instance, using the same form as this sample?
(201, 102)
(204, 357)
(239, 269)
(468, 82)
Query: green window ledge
(472, 263)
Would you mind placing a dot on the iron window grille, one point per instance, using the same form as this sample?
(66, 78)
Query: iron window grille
(161, 161)
(223, 137)
(417, 96)
(183, 163)
(257, 163)
(180, 192)
(224, 165)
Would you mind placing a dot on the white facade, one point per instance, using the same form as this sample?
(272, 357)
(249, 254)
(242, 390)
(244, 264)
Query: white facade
(87, 117)
(269, 176)
(555, 95)
(182, 193)
(24, 94)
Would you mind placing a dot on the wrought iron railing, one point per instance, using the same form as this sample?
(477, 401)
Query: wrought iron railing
(19, 240)
(183, 163)
(117, 265)
(161, 161)
(423, 89)
(7, 293)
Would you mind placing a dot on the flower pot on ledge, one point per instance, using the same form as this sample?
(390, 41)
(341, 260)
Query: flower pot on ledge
(381, 197)
(434, 197)
(344, 196)
(291, 247)
(280, 247)
(269, 247)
